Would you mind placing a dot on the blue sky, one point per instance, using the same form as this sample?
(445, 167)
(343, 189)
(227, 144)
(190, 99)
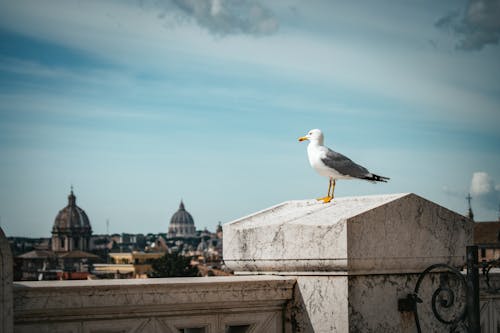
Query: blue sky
(139, 104)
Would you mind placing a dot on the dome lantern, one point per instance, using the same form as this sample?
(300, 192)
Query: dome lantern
(71, 198)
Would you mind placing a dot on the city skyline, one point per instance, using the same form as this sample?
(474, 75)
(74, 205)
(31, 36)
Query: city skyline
(142, 104)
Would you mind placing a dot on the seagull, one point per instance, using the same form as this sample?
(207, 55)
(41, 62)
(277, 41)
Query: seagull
(334, 165)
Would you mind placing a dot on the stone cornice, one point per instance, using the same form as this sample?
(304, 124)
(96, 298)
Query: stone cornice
(70, 300)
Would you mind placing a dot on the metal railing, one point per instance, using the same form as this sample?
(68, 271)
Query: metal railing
(455, 302)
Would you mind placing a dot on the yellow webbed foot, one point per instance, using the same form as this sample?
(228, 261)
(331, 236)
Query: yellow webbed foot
(325, 199)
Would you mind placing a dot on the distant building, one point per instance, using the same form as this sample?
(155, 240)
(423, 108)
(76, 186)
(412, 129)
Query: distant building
(66, 257)
(219, 231)
(181, 224)
(20, 245)
(71, 229)
(36, 265)
(487, 238)
(136, 264)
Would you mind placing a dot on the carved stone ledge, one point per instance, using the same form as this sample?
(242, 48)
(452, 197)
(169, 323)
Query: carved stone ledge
(105, 299)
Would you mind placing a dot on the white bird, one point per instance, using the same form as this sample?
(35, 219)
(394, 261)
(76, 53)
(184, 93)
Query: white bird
(334, 165)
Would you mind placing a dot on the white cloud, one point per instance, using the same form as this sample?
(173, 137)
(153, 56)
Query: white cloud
(481, 183)
(484, 190)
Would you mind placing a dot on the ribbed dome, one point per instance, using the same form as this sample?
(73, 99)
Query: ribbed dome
(182, 223)
(71, 218)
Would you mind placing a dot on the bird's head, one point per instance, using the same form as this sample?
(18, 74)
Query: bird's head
(314, 135)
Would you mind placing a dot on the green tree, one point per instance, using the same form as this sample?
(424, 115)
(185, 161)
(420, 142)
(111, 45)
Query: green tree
(173, 265)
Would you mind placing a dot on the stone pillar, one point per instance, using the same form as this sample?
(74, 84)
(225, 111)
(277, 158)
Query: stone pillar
(6, 300)
(55, 243)
(353, 258)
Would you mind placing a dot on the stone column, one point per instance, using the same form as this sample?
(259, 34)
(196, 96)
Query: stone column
(6, 300)
(353, 258)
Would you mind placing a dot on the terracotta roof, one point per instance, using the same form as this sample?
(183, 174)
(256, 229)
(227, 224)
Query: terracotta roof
(37, 254)
(77, 254)
(487, 233)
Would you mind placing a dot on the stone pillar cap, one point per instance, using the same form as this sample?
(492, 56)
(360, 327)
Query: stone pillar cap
(392, 233)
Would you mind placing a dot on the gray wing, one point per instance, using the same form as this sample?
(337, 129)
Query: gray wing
(344, 165)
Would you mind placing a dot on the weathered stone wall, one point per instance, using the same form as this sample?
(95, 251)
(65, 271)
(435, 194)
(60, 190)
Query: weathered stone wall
(153, 305)
(320, 304)
(406, 235)
(373, 303)
(490, 313)
(353, 258)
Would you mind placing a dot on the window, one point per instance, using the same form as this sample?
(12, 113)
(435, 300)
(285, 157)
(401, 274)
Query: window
(237, 328)
(483, 253)
(192, 330)
(61, 241)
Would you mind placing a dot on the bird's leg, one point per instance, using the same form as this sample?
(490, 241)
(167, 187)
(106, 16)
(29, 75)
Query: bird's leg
(328, 197)
(329, 188)
(333, 188)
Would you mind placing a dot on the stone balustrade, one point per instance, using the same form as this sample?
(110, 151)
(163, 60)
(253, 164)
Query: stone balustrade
(171, 305)
(302, 267)
(232, 304)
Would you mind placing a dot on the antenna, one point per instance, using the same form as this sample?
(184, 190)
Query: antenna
(106, 249)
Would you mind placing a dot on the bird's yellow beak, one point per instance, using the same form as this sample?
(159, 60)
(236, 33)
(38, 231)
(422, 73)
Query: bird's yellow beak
(303, 138)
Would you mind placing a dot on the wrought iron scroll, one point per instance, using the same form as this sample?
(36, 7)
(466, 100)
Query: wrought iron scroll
(444, 297)
(486, 267)
(461, 316)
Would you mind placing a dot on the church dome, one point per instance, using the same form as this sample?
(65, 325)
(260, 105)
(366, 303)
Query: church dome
(181, 223)
(71, 230)
(71, 218)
